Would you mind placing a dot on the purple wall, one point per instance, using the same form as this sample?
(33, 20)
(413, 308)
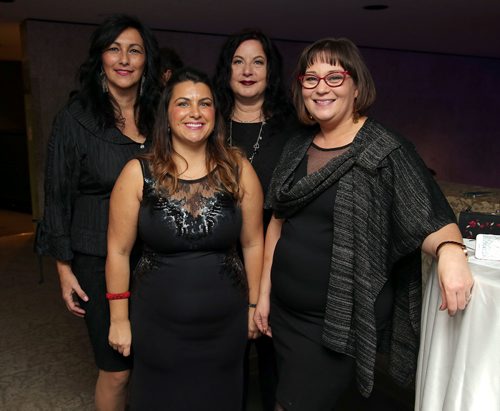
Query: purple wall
(447, 105)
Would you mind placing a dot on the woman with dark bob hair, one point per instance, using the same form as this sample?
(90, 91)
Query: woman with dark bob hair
(190, 201)
(353, 206)
(259, 117)
(103, 125)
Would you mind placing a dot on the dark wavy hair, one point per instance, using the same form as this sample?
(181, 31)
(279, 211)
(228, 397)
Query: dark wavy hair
(339, 51)
(276, 101)
(102, 105)
(224, 161)
(169, 60)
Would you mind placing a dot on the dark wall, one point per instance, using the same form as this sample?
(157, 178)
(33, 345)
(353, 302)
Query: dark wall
(14, 174)
(447, 105)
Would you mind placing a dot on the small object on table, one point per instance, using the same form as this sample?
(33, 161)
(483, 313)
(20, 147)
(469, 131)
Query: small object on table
(488, 247)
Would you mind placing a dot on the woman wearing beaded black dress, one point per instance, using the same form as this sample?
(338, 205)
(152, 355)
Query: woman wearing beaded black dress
(259, 117)
(104, 125)
(190, 201)
(353, 203)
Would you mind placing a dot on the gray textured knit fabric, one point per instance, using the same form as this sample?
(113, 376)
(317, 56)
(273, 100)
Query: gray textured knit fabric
(387, 203)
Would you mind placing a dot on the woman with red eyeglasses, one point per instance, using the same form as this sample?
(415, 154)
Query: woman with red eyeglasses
(353, 206)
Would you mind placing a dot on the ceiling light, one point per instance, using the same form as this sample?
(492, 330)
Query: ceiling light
(376, 7)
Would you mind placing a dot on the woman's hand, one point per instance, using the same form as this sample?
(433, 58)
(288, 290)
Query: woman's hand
(70, 287)
(261, 316)
(455, 279)
(120, 336)
(253, 331)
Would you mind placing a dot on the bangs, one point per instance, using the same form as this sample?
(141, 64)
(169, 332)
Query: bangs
(322, 55)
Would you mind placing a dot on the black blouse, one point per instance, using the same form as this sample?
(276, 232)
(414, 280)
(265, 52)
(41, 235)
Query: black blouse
(275, 134)
(83, 163)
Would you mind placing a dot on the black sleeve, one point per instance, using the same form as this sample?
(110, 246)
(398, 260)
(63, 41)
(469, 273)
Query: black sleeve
(419, 206)
(61, 185)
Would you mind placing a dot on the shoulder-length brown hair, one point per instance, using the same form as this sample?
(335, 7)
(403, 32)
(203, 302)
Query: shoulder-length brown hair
(341, 52)
(223, 162)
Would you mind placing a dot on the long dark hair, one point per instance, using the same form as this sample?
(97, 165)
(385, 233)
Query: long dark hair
(224, 161)
(276, 101)
(101, 104)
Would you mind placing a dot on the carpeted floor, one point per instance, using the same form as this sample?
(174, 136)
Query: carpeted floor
(46, 361)
(44, 353)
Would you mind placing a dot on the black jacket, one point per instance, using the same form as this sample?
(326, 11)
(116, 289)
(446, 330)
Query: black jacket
(83, 163)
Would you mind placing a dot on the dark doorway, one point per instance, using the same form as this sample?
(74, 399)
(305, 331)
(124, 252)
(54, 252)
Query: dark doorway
(14, 169)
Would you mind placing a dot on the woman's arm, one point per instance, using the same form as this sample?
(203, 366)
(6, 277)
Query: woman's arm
(62, 175)
(423, 218)
(263, 306)
(252, 237)
(455, 278)
(122, 230)
(69, 287)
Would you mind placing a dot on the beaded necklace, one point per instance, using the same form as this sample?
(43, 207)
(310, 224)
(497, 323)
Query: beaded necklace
(256, 146)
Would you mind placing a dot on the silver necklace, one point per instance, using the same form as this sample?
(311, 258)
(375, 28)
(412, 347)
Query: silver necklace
(256, 146)
(253, 120)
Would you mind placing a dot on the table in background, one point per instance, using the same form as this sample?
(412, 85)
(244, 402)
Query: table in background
(459, 358)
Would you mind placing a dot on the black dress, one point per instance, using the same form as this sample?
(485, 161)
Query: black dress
(265, 156)
(189, 304)
(310, 375)
(274, 133)
(83, 163)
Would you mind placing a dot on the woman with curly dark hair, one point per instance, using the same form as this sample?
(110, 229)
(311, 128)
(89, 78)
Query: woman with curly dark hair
(103, 125)
(259, 118)
(191, 200)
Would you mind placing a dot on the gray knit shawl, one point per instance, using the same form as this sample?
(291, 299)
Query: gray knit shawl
(387, 203)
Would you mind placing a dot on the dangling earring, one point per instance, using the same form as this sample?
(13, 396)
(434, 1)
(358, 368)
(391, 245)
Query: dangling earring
(355, 113)
(104, 81)
(309, 116)
(141, 88)
(355, 117)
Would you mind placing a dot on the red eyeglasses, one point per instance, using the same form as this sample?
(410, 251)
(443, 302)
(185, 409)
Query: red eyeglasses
(333, 79)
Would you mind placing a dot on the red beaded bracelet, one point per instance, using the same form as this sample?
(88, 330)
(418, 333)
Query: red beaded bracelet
(118, 296)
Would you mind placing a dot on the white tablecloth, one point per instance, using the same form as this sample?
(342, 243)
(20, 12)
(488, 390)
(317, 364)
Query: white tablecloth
(459, 358)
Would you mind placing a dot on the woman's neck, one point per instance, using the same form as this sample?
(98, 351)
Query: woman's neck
(338, 135)
(124, 99)
(191, 161)
(248, 113)
(125, 105)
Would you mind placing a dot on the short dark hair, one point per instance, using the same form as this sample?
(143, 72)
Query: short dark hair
(333, 51)
(169, 60)
(223, 160)
(276, 101)
(91, 93)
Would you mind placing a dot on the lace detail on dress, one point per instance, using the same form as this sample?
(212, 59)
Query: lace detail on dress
(145, 265)
(194, 209)
(232, 267)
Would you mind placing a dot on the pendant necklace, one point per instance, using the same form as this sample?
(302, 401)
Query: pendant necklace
(256, 146)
